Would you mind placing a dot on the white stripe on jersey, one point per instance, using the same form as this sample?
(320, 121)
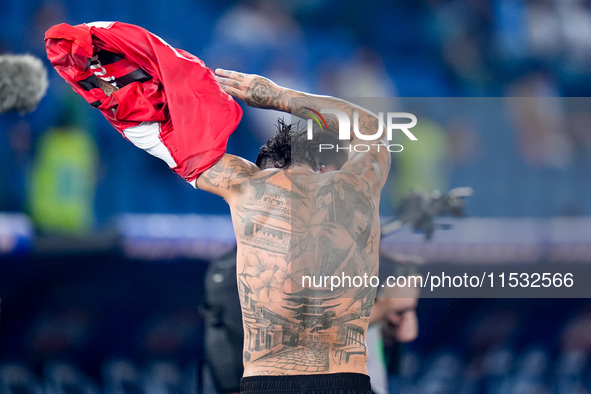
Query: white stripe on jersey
(146, 136)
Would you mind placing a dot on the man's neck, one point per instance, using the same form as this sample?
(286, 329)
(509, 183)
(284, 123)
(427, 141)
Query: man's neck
(301, 169)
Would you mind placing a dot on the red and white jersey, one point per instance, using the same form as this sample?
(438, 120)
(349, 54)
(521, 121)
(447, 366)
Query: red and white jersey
(167, 103)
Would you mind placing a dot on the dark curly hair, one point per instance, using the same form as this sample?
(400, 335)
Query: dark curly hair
(289, 146)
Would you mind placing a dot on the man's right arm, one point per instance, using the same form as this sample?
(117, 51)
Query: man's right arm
(227, 176)
(260, 92)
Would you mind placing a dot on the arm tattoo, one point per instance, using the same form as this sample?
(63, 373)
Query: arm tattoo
(262, 93)
(226, 173)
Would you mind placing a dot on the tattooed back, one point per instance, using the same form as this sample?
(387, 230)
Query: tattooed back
(296, 230)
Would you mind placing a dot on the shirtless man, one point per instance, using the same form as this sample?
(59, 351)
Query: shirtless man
(296, 219)
(291, 220)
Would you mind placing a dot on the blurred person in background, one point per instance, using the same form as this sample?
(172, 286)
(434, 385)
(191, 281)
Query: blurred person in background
(425, 166)
(538, 114)
(363, 75)
(393, 320)
(63, 178)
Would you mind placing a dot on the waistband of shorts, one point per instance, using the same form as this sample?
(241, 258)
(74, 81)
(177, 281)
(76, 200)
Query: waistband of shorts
(305, 382)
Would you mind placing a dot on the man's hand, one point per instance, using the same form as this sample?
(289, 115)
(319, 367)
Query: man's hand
(254, 90)
(395, 309)
(403, 325)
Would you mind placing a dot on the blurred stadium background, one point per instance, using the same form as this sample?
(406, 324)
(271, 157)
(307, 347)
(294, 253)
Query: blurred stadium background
(103, 250)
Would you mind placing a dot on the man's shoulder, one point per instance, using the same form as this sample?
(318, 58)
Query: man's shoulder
(227, 175)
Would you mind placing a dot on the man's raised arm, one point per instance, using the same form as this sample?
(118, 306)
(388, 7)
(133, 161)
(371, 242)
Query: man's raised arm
(260, 92)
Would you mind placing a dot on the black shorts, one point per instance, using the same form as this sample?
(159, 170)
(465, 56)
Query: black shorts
(334, 383)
